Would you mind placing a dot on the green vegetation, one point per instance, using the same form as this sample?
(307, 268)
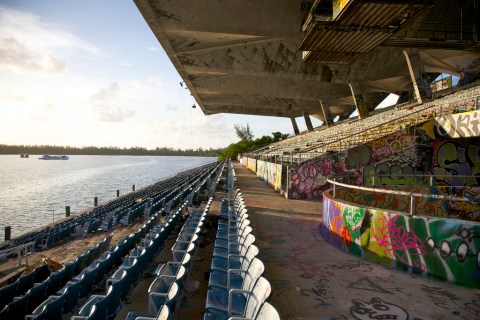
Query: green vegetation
(247, 143)
(90, 150)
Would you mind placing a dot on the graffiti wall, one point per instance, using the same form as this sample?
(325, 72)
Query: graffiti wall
(251, 164)
(405, 158)
(435, 247)
(309, 180)
(272, 173)
(466, 124)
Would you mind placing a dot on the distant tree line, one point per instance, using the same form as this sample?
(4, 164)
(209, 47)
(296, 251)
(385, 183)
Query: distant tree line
(248, 143)
(91, 150)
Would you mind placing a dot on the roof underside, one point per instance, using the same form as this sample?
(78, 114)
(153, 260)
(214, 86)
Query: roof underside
(247, 57)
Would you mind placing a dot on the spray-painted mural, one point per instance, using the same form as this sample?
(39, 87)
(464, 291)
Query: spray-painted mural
(251, 164)
(272, 173)
(443, 249)
(405, 158)
(309, 180)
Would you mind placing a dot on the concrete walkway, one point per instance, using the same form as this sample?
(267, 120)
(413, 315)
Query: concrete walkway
(313, 280)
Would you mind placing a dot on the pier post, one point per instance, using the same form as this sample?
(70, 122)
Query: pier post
(67, 211)
(95, 201)
(8, 233)
(118, 193)
(133, 188)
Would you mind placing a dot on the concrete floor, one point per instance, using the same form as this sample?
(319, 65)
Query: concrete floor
(313, 280)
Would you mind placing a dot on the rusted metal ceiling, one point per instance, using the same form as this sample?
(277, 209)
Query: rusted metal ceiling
(360, 27)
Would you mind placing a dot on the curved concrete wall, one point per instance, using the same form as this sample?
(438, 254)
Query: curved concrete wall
(442, 248)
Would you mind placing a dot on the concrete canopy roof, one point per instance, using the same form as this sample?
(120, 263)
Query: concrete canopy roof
(242, 57)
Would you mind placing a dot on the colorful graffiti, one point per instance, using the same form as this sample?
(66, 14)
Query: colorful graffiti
(464, 125)
(435, 247)
(251, 164)
(272, 174)
(309, 180)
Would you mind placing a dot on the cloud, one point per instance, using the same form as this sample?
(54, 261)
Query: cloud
(44, 113)
(104, 94)
(28, 45)
(16, 57)
(171, 107)
(105, 112)
(108, 114)
(153, 49)
(7, 94)
(152, 83)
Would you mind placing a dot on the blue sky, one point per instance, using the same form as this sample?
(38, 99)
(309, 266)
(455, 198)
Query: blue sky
(83, 73)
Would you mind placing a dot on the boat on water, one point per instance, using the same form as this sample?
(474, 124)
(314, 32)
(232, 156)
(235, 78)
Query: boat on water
(24, 155)
(53, 157)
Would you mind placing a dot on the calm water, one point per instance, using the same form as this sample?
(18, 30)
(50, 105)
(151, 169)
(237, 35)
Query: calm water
(35, 192)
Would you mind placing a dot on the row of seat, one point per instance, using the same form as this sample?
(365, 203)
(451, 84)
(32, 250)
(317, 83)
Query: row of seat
(236, 288)
(25, 302)
(121, 283)
(165, 289)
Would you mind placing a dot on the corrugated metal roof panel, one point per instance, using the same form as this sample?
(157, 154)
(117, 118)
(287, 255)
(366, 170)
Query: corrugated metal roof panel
(361, 26)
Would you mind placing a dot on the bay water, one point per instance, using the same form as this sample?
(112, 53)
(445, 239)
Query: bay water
(34, 193)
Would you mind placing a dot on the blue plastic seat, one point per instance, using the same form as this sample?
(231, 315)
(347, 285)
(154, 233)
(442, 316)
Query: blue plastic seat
(7, 293)
(72, 291)
(243, 303)
(235, 247)
(24, 283)
(36, 295)
(87, 277)
(172, 269)
(235, 261)
(221, 283)
(40, 273)
(55, 306)
(163, 314)
(17, 308)
(96, 306)
(162, 291)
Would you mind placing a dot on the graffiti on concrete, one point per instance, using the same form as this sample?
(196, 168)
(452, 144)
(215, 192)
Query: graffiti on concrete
(444, 249)
(376, 308)
(271, 173)
(461, 125)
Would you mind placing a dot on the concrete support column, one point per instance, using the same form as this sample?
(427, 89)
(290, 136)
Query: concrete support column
(412, 76)
(324, 114)
(308, 121)
(359, 102)
(295, 126)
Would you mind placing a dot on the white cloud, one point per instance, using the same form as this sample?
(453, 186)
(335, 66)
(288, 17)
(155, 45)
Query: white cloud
(105, 112)
(152, 83)
(153, 49)
(28, 45)
(15, 56)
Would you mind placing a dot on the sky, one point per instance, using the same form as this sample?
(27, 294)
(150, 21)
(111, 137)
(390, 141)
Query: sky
(91, 73)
